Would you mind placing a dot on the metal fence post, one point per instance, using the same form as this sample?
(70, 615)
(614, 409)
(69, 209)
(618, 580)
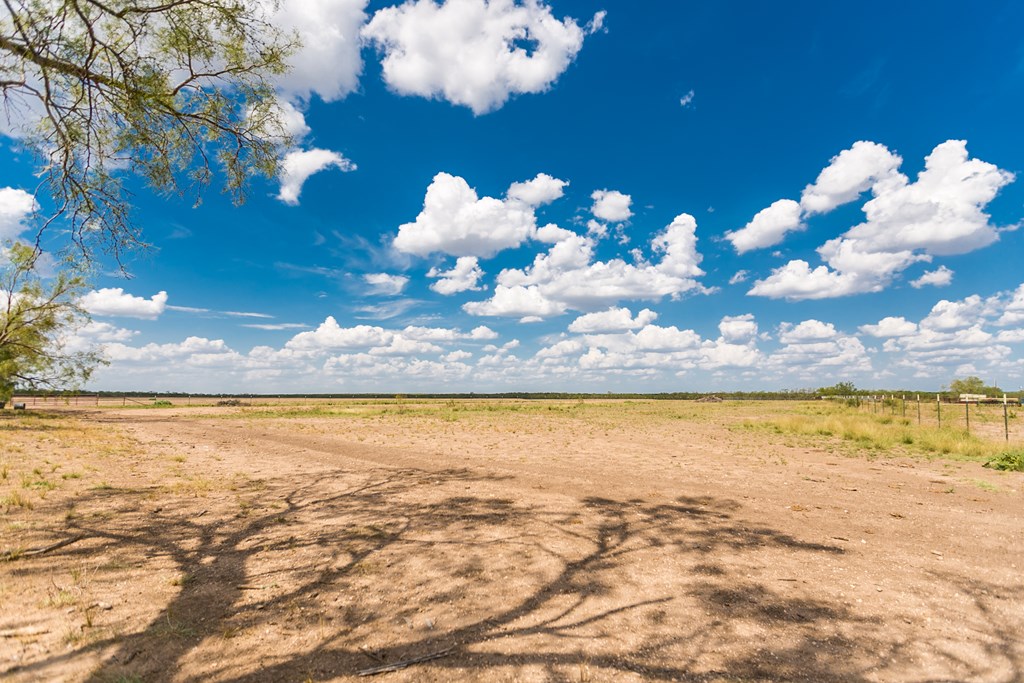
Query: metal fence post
(1006, 419)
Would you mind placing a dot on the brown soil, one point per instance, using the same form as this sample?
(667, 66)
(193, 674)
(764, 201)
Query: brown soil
(612, 543)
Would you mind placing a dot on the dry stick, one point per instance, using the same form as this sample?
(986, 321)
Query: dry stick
(14, 554)
(24, 632)
(398, 666)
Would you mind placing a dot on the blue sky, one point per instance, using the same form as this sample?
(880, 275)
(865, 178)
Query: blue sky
(644, 197)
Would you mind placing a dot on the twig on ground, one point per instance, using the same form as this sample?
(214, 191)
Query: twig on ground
(18, 554)
(398, 666)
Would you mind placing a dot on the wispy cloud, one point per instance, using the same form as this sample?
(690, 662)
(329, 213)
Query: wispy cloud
(180, 232)
(388, 310)
(323, 271)
(277, 326)
(246, 314)
(210, 312)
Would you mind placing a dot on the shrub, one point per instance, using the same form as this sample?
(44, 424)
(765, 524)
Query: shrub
(1011, 461)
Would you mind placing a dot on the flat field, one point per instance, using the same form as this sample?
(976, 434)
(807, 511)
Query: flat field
(508, 541)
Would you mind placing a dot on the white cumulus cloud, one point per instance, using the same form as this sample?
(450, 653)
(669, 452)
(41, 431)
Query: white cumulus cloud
(15, 206)
(331, 336)
(769, 227)
(114, 301)
(808, 330)
(940, 277)
(849, 174)
(941, 213)
(385, 283)
(456, 221)
(516, 302)
(891, 326)
(293, 121)
(953, 337)
(738, 328)
(797, 280)
(298, 165)
(568, 278)
(611, 205)
(1013, 311)
(543, 189)
(473, 53)
(955, 315)
(328, 61)
(612, 320)
(464, 276)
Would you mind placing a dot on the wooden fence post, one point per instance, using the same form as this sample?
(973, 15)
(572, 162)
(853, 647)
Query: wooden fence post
(938, 410)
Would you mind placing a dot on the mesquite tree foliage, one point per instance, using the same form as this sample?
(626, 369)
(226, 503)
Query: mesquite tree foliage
(37, 318)
(166, 89)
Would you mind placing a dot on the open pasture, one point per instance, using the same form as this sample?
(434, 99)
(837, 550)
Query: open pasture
(508, 540)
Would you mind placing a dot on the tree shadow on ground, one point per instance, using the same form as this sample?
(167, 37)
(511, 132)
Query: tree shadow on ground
(371, 551)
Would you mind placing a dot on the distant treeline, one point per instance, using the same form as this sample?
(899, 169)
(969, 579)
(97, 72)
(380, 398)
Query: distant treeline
(786, 395)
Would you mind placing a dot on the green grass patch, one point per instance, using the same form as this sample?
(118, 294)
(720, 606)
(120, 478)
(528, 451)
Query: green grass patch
(1011, 461)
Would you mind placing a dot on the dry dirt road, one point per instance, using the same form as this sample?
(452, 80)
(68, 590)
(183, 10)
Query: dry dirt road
(558, 545)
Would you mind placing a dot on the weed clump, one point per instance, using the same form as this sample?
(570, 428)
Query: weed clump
(1011, 461)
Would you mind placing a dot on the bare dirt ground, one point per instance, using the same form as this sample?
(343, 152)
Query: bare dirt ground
(541, 542)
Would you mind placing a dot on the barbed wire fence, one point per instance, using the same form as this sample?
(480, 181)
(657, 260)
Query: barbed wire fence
(985, 417)
(982, 416)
